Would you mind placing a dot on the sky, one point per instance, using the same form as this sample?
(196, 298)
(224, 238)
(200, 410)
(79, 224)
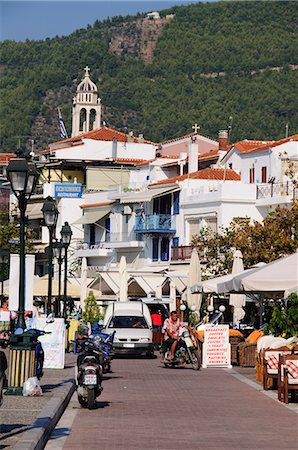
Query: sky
(36, 20)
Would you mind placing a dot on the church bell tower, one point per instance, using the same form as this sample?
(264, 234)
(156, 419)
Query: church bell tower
(86, 113)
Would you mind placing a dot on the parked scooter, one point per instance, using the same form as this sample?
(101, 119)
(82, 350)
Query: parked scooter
(105, 343)
(3, 368)
(89, 372)
(187, 352)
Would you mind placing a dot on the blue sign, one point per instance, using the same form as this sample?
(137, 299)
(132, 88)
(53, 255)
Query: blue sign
(68, 190)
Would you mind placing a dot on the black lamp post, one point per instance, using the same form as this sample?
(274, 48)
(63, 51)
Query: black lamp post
(4, 255)
(50, 216)
(59, 253)
(66, 234)
(23, 176)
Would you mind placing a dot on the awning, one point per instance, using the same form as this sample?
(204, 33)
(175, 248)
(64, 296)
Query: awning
(33, 211)
(146, 196)
(180, 284)
(92, 216)
(150, 284)
(112, 279)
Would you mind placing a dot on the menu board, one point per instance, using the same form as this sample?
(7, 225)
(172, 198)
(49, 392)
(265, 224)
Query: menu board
(53, 343)
(216, 347)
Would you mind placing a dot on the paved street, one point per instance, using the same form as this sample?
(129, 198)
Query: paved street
(146, 406)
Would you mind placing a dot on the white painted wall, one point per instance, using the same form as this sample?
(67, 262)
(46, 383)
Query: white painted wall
(242, 162)
(100, 150)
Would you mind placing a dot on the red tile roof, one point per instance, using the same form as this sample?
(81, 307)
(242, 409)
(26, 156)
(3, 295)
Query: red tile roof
(93, 205)
(258, 146)
(134, 161)
(204, 174)
(103, 134)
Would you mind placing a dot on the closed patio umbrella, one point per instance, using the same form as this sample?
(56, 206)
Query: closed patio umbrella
(194, 276)
(123, 288)
(237, 300)
(83, 281)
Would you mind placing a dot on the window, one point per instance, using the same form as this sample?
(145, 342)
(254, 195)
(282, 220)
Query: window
(264, 174)
(128, 322)
(92, 234)
(230, 165)
(194, 228)
(155, 245)
(252, 175)
(176, 202)
(164, 249)
(108, 227)
(175, 242)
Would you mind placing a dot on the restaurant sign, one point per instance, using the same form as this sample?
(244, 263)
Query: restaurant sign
(68, 190)
(216, 347)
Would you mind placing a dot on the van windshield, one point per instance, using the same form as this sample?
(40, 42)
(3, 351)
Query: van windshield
(128, 322)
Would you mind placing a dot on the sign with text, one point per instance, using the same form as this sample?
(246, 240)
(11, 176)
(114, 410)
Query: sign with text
(53, 343)
(216, 347)
(68, 190)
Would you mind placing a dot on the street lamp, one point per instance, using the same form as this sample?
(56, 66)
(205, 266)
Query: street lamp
(59, 253)
(4, 255)
(50, 216)
(66, 234)
(23, 176)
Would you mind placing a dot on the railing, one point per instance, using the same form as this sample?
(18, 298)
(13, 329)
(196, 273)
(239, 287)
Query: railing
(277, 190)
(181, 252)
(155, 223)
(89, 246)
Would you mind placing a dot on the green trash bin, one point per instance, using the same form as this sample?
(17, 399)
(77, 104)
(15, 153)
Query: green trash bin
(21, 362)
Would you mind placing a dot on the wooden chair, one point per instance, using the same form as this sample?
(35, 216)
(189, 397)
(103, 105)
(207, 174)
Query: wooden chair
(287, 376)
(270, 357)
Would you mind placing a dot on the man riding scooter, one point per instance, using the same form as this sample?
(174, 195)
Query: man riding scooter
(171, 334)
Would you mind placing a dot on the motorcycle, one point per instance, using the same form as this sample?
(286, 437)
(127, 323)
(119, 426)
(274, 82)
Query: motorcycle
(187, 352)
(89, 372)
(3, 368)
(105, 343)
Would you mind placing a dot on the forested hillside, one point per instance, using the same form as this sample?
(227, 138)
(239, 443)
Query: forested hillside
(210, 62)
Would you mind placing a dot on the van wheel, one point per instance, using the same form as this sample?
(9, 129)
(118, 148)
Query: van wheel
(150, 354)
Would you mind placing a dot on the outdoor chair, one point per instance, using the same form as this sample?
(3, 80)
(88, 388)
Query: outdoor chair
(287, 376)
(270, 358)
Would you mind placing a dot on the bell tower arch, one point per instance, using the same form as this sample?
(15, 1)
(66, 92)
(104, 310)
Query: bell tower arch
(86, 112)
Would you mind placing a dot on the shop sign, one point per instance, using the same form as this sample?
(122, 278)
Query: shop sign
(68, 190)
(216, 347)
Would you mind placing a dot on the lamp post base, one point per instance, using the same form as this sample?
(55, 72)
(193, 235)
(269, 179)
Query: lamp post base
(21, 362)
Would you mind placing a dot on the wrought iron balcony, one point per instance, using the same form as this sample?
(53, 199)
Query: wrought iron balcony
(182, 252)
(155, 223)
(277, 190)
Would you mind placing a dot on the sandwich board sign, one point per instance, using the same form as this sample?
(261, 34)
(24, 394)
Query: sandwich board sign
(216, 347)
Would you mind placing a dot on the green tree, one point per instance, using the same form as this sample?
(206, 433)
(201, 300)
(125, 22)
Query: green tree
(91, 311)
(284, 320)
(277, 235)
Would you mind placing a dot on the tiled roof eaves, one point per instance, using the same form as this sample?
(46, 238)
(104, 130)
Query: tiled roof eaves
(204, 174)
(94, 205)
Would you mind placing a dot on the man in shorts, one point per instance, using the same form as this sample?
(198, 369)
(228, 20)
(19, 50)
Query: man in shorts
(171, 330)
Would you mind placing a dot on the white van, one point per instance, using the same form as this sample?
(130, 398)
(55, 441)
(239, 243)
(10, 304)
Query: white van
(132, 323)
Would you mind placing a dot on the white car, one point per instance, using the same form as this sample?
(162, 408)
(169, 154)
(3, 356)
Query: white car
(132, 323)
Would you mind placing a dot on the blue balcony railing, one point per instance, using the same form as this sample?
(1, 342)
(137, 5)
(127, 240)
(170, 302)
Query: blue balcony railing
(155, 223)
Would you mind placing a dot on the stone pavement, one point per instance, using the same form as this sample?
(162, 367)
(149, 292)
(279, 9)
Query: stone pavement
(18, 414)
(146, 406)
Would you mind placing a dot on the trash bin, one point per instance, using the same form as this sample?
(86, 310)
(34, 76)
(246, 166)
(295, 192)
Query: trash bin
(21, 362)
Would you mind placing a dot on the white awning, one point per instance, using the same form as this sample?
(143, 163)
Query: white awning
(33, 211)
(112, 279)
(146, 196)
(180, 284)
(150, 284)
(92, 216)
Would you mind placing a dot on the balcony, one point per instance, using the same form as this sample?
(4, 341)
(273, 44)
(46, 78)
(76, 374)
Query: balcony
(96, 250)
(124, 240)
(155, 224)
(276, 193)
(276, 190)
(181, 253)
